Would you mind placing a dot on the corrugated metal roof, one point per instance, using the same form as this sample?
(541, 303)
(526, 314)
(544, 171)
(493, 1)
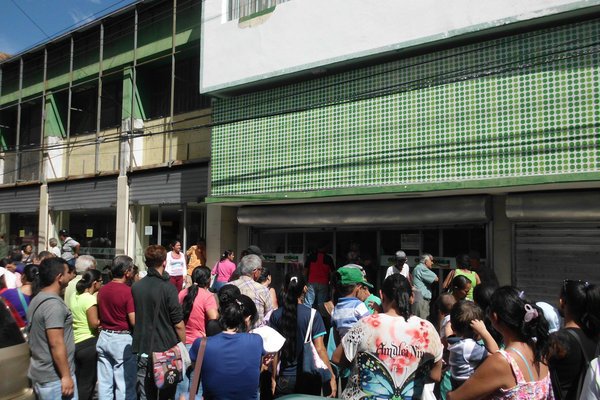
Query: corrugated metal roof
(171, 186)
(83, 195)
(20, 199)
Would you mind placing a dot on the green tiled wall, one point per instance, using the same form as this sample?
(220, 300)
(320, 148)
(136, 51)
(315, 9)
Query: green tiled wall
(517, 110)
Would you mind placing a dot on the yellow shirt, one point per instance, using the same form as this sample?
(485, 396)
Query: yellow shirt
(197, 257)
(79, 304)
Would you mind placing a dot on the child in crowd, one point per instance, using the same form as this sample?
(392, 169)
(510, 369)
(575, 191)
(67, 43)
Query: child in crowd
(465, 353)
(349, 308)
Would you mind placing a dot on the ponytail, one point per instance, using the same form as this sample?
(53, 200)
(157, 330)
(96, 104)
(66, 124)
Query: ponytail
(523, 317)
(225, 255)
(590, 320)
(200, 279)
(293, 290)
(32, 275)
(87, 280)
(397, 288)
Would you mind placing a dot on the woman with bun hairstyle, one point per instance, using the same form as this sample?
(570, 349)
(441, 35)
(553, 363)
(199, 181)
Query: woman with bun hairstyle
(463, 267)
(518, 372)
(232, 358)
(19, 298)
(591, 321)
(567, 346)
(223, 270)
(83, 305)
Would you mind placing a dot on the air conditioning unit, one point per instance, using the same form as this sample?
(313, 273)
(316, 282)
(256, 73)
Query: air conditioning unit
(138, 125)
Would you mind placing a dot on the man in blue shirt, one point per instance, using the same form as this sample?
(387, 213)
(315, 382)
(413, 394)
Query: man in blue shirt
(423, 278)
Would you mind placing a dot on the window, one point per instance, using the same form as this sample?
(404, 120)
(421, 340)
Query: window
(110, 113)
(187, 86)
(242, 8)
(84, 103)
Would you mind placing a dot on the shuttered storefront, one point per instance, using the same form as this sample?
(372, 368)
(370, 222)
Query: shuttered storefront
(83, 195)
(169, 186)
(20, 199)
(556, 237)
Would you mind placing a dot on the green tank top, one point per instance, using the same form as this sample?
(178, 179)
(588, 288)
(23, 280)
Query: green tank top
(470, 276)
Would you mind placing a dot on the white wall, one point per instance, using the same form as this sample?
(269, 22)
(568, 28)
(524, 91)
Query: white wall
(302, 35)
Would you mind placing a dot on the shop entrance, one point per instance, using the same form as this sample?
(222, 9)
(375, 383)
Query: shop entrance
(373, 248)
(163, 224)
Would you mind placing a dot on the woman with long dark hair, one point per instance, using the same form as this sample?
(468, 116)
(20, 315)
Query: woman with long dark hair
(223, 270)
(199, 307)
(518, 372)
(591, 321)
(19, 298)
(568, 345)
(393, 353)
(292, 320)
(83, 305)
(460, 287)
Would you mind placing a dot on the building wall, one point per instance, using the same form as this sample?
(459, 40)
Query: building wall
(286, 37)
(512, 111)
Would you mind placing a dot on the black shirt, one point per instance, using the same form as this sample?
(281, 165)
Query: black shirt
(155, 331)
(568, 363)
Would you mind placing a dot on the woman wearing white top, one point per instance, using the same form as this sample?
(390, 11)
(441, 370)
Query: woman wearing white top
(176, 266)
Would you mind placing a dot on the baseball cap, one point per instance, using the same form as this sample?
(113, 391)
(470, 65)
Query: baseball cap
(400, 255)
(63, 232)
(252, 249)
(351, 276)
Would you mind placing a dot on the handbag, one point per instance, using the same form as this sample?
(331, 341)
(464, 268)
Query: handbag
(167, 366)
(312, 364)
(213, 277)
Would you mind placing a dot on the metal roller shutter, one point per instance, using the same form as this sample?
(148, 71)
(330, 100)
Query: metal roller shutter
(83, 195)
(548, 253)
(20, 199)
(170, 186)
(446, 210)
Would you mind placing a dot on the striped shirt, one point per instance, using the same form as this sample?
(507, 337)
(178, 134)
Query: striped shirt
(258, 293)
(347, 312)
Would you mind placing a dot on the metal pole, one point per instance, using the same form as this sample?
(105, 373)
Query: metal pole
(172, 100)
(66, 173)
(99, 103)
(133, 91)
(18, 138)
(42, 178)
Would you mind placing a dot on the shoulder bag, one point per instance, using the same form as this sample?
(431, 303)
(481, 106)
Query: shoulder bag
(312, 364)
(167, 366)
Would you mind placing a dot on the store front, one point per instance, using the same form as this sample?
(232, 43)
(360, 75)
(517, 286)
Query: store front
(168, 205)
(87, 209)
(19, 216)
(371, 232)
(556, 237)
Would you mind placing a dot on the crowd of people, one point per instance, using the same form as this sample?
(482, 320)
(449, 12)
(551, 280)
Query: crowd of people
(184, 329)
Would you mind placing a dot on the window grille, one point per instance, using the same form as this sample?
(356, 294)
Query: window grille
(242, 8)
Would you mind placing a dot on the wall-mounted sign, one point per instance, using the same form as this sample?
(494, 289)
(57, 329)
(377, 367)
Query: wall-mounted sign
(21, 233)
(410, 241)
(148, 230)
(89, 233)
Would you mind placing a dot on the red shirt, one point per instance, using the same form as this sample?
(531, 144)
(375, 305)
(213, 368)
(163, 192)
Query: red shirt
(114, 303)
(319, 269)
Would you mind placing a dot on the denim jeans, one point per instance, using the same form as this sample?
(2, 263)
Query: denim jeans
(52, 390)
(117, 367)
(183, 387)
(316, 294)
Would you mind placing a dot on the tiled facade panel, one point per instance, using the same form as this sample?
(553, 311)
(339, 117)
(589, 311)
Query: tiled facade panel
(517, 108)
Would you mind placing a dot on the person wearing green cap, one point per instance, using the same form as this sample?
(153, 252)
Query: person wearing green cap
(349, 308)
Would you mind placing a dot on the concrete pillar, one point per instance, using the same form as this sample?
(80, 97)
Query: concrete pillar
(221, 231)
(43, 220)
(140, 239)
(122, 227)
(5, 226)
(502, 242)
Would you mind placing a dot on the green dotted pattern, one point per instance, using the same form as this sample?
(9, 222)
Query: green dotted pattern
(520, 106)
